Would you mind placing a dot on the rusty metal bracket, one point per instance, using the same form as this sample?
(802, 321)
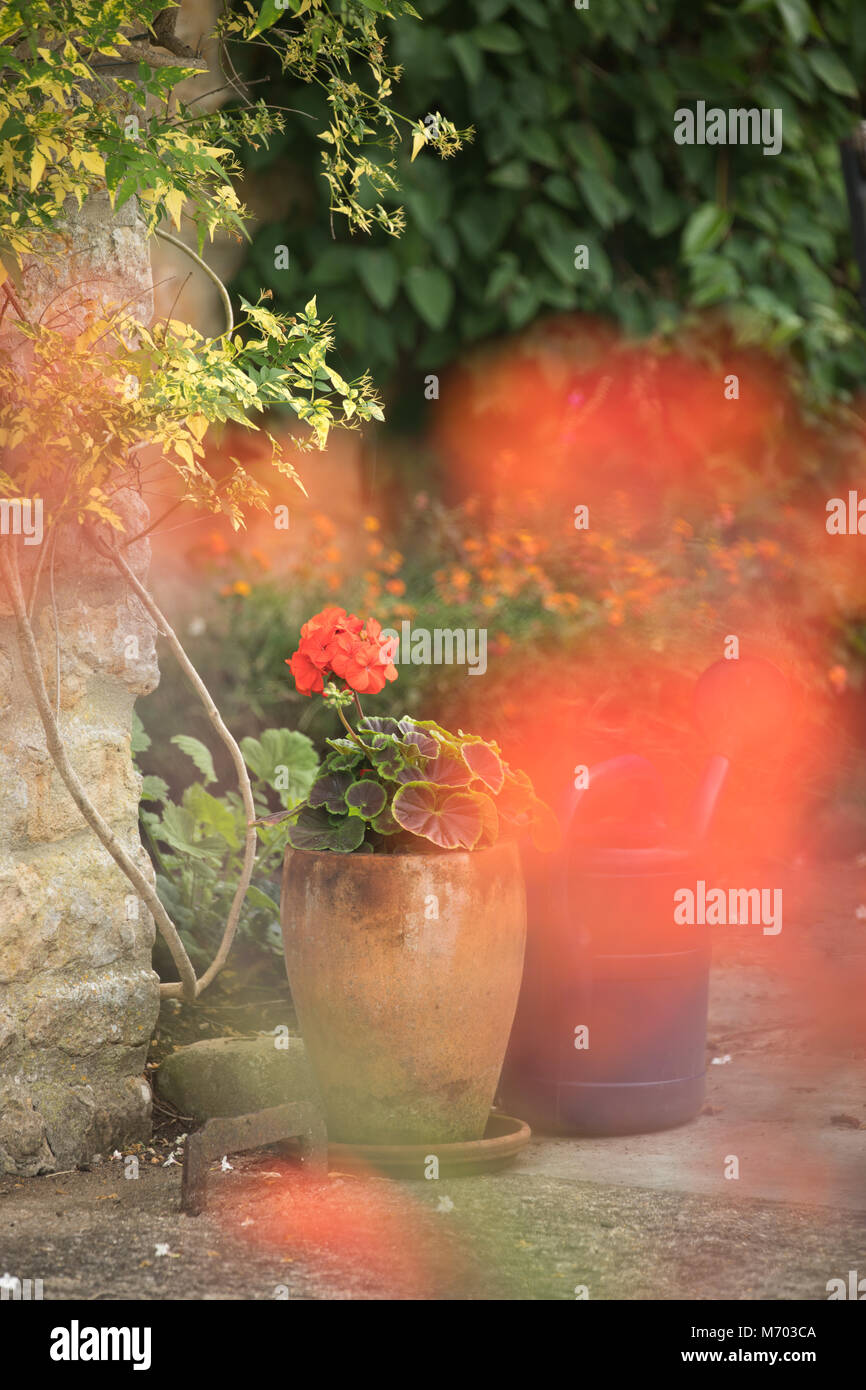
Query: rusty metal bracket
(232, 1134)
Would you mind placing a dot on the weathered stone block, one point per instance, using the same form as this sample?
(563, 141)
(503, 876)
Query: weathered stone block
(69, 909)
(236, 1076)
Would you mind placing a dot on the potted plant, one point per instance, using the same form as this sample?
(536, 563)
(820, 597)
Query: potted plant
(403, 905)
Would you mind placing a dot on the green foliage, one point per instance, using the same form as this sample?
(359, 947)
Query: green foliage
(575, 115)
(91, 399)
(66, 132)
(197, 843)
(326, 49)
(404, 785)
(200, 754)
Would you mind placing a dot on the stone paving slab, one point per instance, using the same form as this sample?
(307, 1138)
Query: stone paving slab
(642, 1217)
(511, 1236)
(775, 1117)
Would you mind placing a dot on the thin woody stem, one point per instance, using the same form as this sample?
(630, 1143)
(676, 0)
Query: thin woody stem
(31, 662)
(211, 274)
(237, 757)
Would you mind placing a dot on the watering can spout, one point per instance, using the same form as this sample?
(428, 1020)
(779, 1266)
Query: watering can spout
(706, 797)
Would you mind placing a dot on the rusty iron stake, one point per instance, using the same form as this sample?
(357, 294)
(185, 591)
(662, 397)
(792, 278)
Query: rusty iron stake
(232, 1134)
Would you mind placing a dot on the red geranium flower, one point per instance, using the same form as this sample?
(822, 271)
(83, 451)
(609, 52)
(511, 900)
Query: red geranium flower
(308, 676)
(339, 642)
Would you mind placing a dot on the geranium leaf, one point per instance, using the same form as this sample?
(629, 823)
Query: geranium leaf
(515, 800)
(411, 733)
(485, 763)
(347, 836)
(330, 791)
(316, 831)
(441, 735)
(385, 823)
(346, 755)
(489, 819)
(446, 770)
(378, 725)
(450, 819)
(366, 798)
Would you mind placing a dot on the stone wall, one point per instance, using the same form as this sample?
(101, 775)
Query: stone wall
(78, 996)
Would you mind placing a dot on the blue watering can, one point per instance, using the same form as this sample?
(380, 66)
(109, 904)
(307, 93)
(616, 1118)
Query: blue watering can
(610, 1031)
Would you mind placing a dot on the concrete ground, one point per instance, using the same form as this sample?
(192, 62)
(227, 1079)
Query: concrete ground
(643, 1217)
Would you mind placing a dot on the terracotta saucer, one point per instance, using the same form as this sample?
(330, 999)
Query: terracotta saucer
(503, 1139)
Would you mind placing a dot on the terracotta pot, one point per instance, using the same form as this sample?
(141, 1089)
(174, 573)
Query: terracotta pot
(405, 971)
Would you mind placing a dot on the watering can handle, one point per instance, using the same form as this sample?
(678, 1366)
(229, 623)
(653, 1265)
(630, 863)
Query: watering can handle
(609, 772)
(707, 796)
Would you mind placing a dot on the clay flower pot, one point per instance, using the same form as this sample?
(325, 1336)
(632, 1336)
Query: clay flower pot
(405, 971)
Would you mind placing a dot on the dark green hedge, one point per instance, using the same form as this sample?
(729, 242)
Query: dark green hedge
(574, 114)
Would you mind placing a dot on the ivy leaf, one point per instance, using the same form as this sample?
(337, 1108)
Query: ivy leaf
(832, 71)
(705, 229)
(379, 274)
(539, 145)
(603, 197)
(513, 174)
(431, 293)
(714, 278)
(468, 55)
(797, 17)
(497, 38)
(199, 753)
